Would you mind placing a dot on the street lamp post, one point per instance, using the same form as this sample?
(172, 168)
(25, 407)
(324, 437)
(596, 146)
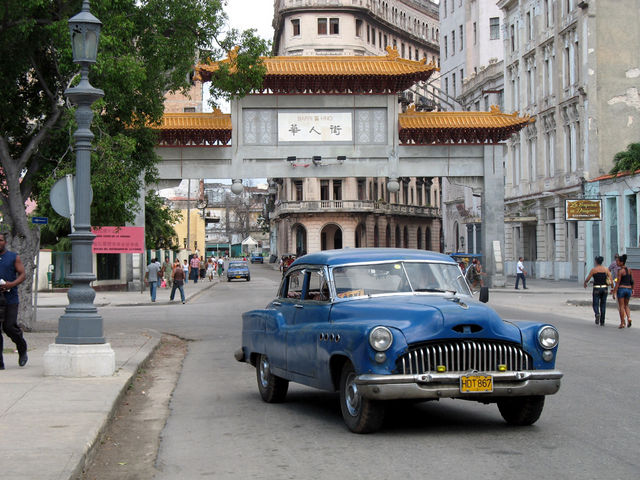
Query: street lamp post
(80, 348)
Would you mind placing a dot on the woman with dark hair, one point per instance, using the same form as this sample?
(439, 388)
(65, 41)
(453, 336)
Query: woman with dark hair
(601, 281)
(622, 291)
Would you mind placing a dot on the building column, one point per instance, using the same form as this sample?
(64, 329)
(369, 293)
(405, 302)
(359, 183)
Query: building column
(492, 232)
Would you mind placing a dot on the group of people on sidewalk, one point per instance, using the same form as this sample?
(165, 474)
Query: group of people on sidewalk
(619, 278)
(175, 275)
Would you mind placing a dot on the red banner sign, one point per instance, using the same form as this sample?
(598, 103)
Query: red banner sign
(118, 239)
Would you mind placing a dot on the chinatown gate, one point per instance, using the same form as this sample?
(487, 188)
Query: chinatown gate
(339, 117)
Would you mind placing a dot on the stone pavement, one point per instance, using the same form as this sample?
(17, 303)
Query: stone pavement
(49, 425)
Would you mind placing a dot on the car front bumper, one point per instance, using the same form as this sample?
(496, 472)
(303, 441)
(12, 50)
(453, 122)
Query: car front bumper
(447, 385)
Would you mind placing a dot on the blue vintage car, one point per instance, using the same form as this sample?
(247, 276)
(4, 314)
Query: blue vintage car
(256, 258)
(238, 269)
(391, 324)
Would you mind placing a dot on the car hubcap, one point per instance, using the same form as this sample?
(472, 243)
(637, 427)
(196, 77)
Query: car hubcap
(264, 372)
(352, 397)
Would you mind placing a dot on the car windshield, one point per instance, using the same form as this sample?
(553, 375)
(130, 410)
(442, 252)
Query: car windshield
(398, 277)
(237, 265)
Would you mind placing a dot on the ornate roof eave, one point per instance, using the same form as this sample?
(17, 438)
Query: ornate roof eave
(334, 74)
(419, 128)
(212, 129)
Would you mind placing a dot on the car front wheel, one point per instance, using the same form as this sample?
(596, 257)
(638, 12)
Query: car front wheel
(273, 389)
(360, 414)
(521, 411)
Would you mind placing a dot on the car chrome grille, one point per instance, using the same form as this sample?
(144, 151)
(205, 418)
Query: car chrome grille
(462, 356)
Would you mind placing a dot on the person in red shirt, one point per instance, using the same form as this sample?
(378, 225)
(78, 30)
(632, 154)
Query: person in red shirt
(194, 268)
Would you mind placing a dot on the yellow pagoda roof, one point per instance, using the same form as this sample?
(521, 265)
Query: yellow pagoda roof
(195, 129)
(334, 74)
(415, 128)
(195, 121)
(459, 127)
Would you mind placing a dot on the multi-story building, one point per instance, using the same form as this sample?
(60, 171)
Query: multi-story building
(356, 27)
(334, 210)
(230, 219)
(471, 78)
(355, 212)
(574, 65)
(363, 27)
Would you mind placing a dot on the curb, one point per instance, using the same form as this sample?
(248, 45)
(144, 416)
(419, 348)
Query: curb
(128, 370)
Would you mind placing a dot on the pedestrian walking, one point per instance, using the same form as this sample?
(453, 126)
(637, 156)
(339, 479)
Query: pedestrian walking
(622, 291)
(602, 280)
(151, 277)
(167, 271)
(211, 269)
(476, 273)
(220, 267)
(521, 273)
(178, 281)
(11, 275)
(203, 268)
(185, 269)
(613, 269)
(194, 268)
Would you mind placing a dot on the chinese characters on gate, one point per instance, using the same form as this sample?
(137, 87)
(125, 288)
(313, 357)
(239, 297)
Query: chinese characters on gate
(315, 127)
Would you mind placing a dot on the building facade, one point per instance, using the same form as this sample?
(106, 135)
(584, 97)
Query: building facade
(471, 79)
(315, 214)
(573, 64)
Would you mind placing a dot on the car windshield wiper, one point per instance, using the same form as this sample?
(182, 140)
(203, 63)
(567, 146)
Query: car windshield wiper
(438, 290)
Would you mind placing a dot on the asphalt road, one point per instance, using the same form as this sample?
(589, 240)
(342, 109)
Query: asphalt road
(219, 427)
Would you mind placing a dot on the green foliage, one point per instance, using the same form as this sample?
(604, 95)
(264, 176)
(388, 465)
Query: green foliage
(627, 160)
(159, 221)
(147, 48)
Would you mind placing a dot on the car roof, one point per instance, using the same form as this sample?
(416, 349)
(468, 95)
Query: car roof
(358, 255)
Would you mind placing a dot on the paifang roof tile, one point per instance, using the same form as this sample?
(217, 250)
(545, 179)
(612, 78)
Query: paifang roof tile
(390, 65)
(454, 120)
(195, 121)
(420, 128)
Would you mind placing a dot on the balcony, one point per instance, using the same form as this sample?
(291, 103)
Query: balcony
(354, 206)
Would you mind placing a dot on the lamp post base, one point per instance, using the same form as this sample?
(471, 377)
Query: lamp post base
(93, 360)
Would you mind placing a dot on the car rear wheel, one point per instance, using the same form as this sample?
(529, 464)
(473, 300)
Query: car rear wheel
(360, 414)
(273, 389)
(248, 279)
(521, 411)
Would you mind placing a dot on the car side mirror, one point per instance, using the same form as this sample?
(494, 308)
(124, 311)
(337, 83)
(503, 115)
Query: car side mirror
(484, 294)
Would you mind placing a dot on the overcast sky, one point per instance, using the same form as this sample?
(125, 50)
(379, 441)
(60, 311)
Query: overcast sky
(256, 14)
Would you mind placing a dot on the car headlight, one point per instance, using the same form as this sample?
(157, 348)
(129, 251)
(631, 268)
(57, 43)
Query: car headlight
(548, 337)
(380, 339)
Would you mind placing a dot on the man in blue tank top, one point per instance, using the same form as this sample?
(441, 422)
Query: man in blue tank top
(11, 275)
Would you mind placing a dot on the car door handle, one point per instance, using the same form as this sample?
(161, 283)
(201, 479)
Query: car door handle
(277, 304)
(297, 305)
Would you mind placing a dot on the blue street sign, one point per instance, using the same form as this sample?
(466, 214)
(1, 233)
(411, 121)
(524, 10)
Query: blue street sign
(40, 220)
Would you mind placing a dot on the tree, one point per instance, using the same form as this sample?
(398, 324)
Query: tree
(147, 48)
(627, 160)
(158, 224)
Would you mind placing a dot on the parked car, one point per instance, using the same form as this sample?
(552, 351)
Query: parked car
(238, 269)
(394, 324)
(256, 258)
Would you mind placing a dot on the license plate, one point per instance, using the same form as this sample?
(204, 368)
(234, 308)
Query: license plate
(238, 276)
(476, 384)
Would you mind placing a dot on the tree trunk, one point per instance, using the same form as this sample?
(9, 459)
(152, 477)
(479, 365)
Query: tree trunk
(27, 247)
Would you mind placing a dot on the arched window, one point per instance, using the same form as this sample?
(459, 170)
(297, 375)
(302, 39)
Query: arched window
(388, 237)
(398, 240)
(419, 238)
(406, 237)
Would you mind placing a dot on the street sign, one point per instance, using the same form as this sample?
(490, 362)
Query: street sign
(40, 220)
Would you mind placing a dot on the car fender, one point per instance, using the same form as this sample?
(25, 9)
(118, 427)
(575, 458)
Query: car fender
(529, 331)
(260, 331)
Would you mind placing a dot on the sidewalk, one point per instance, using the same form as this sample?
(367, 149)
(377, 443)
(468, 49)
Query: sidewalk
(49, 425)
